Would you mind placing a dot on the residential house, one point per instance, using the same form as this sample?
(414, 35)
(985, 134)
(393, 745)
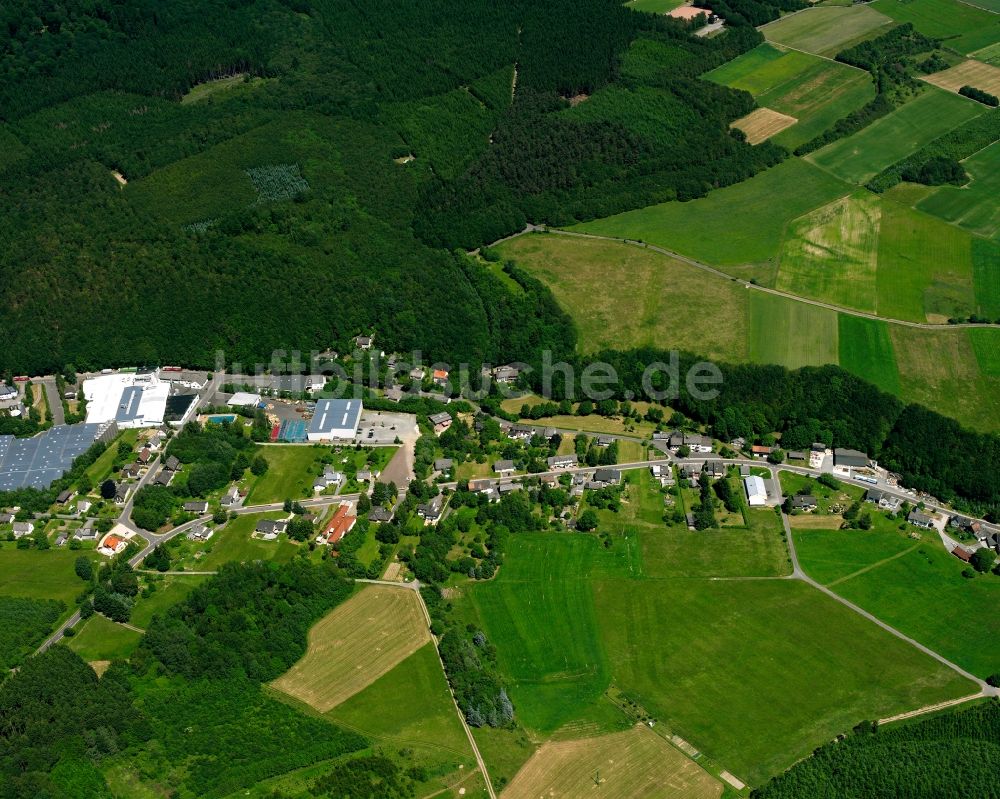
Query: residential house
(122, 490)
(364, 476)
(562, 462)
(380, 514)
(22, 529)
(394, 394)
(416, 373)
(65, 496)
(61, 539)
(506, 374)
(442, 464)
(232, 498)
(199, 507)
(270, 529)
(714, 469)
(112, 545)
(155, 442)
(6, 518)
(803, 502)
(364, 342)
(84, 505)
(441, 421)
(164, 478)
(440, 377)
(8, 394)
(697, 442)
(200, 532)
(520, 432)
(607, 477)
(965, 524)
(431, 511)
(883, 499)
(173, 464)
(920, 519)
(504, 467)
(795, 455)
(88, 532)
(506, 488)
(330, 477)
(340, 524)
(759, 451)
(132, 471)
(485, 486)
(605, 441)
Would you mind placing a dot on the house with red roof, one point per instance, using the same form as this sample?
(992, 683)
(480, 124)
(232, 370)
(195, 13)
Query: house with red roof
(340, 524)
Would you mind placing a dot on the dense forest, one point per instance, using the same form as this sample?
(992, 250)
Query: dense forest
(355, 146)
(954, 755)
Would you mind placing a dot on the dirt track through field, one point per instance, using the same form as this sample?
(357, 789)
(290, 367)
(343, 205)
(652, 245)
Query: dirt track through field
(634, 764)
(354, 645)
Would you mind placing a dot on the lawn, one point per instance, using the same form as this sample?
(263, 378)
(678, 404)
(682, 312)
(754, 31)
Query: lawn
(631, 763)
(961, 26)
(737, 225)
(46, 574)
(757, 674)
(233, 542)
(986, 345)
(830, 254)
(973, 206)
(826, 30)
(921, 593)
(99, 638)
(925, 269)
(169, 591)
(356, 644)
(100, 469)
(291, 472)
(791, 334)
(654, 6)
(657, 300)
(816, 91)
(866, 350)
(863, 155)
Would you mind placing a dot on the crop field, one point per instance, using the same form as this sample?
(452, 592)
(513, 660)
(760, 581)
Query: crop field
(831, 253)
(990, 54)
(986, 276)
(763, 123)
(354, 645)
(866, 350)
(290, 476)
(99, 638)
(864, 154)
(826, 30)
(986, 345)
(942, 371)
(409, 703)
(973, 206)
(924, 267)
(737, 225)
(960, 26)
(632, 763)
(968, 73)
(791, 333)
(813, 90)
(658, 300)
(719, 661)
(920, 592)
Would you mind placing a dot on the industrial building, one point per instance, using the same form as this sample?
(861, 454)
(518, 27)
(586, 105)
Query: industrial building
(335, 419)
(756, 491)
(134, 400)
(39, 461)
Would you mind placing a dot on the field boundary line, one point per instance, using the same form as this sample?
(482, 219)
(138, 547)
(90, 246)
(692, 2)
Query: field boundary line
(871, 566)
(806, 52)
(920, 711)
(756, 286)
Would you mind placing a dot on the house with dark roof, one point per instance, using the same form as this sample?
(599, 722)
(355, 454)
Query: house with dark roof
(804, 503)
(607, 477)
(504, 467)
(562, 461)
(441, 421)
(269, 529)
(173, 464)
(919, 519)
(965, 524)
(380, 514)
(199, 507)
(431, 511)
(442, 464)
(122, 490)
(715, 469)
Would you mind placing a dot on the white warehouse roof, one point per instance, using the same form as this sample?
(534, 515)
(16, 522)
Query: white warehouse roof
(335, 418)
(756, 492)
(243, 399)
(130, 400)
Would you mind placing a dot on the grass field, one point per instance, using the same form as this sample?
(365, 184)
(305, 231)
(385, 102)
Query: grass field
(721, 661)
(864, 154)
(989, 54)
(791, 333)
(99, 638)
(831, 253)
(866, 350)
(354, 645)
(762, 124)
(657, 300)
(968, 73)
(815, 91)
(290, 476)
(959, 25)
(233, 542)
(826, 30)
(973, 206)
(408, 704)
(916, 586)
(169, 592)
(632, 763)
(42, 575)
(924, 267)
(736, 225)
(986, 276)
(986, 345)
(654, 6)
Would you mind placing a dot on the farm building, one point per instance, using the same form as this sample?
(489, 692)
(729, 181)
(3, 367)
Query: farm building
(756, 491)
(335, 419)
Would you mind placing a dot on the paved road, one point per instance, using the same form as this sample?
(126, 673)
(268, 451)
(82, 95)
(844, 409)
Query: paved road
(756, 287)
(55, 401)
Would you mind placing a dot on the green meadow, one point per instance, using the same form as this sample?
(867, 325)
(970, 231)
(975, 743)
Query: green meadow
(866, 350)
(47, 574)
(99, 638)
(973, 206)
(826, 30)
(291, 472)
(791, 333)
(170, 590)
(864, 154)
(816, 91)
(914, 585)
(959, 25)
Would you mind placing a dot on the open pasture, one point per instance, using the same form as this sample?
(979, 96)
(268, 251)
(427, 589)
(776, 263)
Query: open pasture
(654, 6)
(986, 345)
(737, 225)
(973, 206)
(826, 30)
(968, 73)
(763, 123)
(866, 350)
(918, 588)
(99, 638)
(791, 333)
(47, 574)
(861, 156)
(959, 25)
(354, 645)
(234, 541)
(171, 590)
(291, 472)
(633, 764)
(830, 254)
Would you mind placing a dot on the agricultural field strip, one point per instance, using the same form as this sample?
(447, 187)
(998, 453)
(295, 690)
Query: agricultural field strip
(872, 566)
(776, 292)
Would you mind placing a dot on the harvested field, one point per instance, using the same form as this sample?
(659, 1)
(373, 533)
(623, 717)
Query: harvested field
(354, 645)
(763, 123)
(826, 30)
(634, 763)
(968, 73)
